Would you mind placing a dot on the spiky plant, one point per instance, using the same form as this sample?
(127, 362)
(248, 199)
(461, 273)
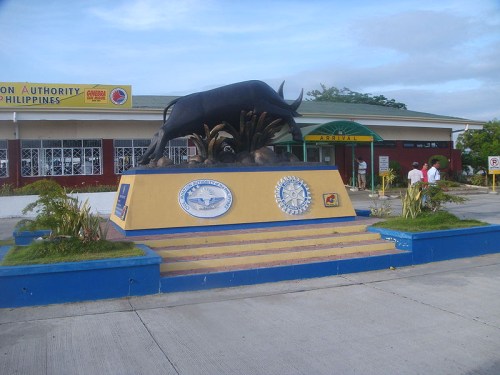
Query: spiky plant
(412, 201)
(209, 145)
(255, 131)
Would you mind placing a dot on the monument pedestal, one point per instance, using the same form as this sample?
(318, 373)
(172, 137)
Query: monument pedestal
(173, 200)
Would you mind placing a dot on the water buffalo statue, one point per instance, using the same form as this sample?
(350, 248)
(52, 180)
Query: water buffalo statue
(212, 107)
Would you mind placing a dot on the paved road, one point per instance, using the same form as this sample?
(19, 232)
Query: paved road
(480, 206)
(440, 318)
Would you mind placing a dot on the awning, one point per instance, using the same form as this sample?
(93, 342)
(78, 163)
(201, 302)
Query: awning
(335, 131)
(347, 132)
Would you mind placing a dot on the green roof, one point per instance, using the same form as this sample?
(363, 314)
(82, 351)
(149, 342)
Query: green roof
(310, 108)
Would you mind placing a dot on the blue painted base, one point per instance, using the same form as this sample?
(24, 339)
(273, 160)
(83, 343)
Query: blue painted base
(113, 278)
(364, 213)
(283, 273)
(24, 238)
(79, 281)
(445, 244)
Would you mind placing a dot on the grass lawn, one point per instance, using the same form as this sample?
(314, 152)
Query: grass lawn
(427, 222)
(8, 242)
(68, 250)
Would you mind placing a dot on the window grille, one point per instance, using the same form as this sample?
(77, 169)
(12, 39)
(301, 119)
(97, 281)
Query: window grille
(129, 151)
(61, 157)
(4, 159)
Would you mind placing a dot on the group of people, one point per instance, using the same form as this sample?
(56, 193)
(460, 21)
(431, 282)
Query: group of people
(425, 174)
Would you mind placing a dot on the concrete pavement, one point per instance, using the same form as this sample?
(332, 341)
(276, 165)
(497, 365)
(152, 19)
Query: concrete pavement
(440, 318)
(479, 205)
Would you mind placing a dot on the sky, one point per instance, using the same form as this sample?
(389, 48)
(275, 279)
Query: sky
(440, 57)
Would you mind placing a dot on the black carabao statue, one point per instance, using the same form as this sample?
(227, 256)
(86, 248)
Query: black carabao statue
(212, 107)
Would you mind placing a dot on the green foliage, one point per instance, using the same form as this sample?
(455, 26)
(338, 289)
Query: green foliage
(477, 145)
(63, 215)
(443, 161)
(345, 95)
(412, 201)
(428, 221)
(6, 190)
(94, 188)
(389, 178)
(436, 197)
(39, 187)
(478, 180)
(69, 249)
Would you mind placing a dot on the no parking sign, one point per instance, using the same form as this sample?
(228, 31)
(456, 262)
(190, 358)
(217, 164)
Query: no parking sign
(493, 164)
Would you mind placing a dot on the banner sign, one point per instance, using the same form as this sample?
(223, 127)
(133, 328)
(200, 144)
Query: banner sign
(339, 138)
(493, 164)
(17, 94)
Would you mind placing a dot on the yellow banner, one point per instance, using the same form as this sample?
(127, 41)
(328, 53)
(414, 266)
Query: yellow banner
(17, 94)
(339, 138)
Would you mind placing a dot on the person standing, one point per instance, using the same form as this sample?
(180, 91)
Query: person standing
(425, 168)
(433, 174)
(415, 175)
(361, 173)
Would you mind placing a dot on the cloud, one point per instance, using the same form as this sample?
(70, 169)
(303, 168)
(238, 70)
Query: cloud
(148, 14)
(414, 32)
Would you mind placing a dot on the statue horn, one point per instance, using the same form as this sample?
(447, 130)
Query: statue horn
(280, 90)
(297, 101)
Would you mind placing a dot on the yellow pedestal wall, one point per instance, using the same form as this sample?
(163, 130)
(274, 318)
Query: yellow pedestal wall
(155, 198)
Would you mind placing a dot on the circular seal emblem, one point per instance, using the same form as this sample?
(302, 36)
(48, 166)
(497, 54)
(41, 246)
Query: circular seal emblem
(118, 96)
(205, 198)
(292, 195)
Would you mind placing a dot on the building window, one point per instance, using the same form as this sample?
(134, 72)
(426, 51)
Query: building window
(179, 151)
(4, 159)
(129, 151)
(425, 144)
(61, 157)
(385, 144)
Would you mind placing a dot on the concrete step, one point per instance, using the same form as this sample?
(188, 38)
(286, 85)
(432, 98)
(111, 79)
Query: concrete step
(262, 245)
(194, 239)
(198, 253)
(297, 255)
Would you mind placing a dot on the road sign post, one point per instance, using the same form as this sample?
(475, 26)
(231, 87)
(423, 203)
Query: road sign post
(383, 170)
(494, 169)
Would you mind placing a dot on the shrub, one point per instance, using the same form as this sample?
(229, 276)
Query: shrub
(436, 197)
(6, 189)
(64, 216)
(443, 161)
(39, 187)
(478, 180)
(395, 168)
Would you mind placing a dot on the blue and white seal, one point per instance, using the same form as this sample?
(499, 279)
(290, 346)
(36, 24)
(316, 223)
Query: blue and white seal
(292, 195)
(205, 198)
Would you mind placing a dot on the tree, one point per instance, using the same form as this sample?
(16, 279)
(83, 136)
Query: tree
(477, 145)
(345, 95)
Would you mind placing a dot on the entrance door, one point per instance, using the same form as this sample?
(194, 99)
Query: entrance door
(327, 154)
